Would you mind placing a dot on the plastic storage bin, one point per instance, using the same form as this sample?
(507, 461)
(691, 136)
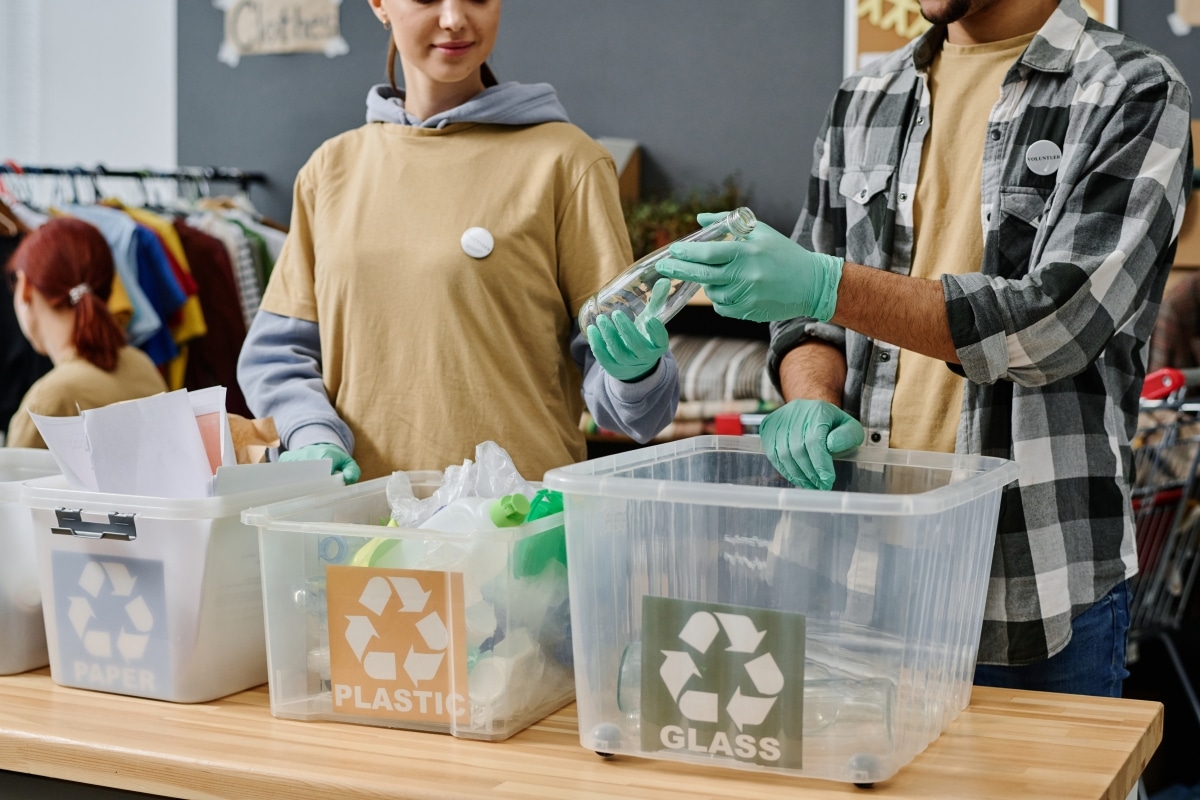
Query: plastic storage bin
(152, 597)
(723, 617)
(459, 634)
(22, 633)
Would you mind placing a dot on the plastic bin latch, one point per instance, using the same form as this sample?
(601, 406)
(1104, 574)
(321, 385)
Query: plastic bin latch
(71, 523)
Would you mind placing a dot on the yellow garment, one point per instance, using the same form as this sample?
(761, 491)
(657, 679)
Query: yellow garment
(427, 351)
(191, 317)
(964, 84)
(76, 385)
(119, 304)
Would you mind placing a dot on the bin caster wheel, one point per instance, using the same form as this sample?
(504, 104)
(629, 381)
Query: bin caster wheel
(604, 755)
(864, 786)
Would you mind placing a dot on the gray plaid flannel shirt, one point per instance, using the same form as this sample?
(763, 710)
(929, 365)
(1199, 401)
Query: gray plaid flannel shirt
(1051, 330)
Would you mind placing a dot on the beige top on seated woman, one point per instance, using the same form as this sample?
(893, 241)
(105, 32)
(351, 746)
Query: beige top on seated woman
(62, 276)
(76, 385)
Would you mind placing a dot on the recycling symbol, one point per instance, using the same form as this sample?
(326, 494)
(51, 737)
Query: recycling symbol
(699, 634)
(381, 665)
(131, 641)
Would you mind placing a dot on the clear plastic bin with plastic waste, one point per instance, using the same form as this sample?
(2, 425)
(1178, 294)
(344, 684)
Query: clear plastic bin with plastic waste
(410, 627)
(22, 632)
(723, 617)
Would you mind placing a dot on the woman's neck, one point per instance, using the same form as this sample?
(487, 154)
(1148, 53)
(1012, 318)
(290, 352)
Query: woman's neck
(425, 98)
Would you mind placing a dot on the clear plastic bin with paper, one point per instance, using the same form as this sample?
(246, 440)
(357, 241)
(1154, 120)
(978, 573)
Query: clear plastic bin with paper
(150, 582)
(22, 633)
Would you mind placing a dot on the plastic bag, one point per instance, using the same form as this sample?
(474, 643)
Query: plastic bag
(492, 474)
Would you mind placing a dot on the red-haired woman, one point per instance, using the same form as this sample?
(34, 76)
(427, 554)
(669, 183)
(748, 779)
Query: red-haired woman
(61, 277)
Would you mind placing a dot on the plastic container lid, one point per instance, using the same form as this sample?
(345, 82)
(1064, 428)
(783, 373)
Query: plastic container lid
(20, 464)
(509, 510)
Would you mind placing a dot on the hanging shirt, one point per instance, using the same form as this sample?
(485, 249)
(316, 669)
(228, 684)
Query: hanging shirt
(244, 270)
(212, 359)
(118, 230)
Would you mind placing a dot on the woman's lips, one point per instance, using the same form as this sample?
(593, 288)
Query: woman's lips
(453, 48)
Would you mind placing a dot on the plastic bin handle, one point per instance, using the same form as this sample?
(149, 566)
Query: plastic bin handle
(71, 523)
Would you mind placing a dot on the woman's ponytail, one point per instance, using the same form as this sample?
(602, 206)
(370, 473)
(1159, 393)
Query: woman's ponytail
(70, 264)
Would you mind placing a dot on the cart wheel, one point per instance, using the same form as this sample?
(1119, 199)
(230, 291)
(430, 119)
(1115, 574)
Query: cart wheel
(864, 786)
(604, 755)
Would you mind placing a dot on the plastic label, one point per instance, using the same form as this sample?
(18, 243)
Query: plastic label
(111, 622)
(724, 681)
(397, 644)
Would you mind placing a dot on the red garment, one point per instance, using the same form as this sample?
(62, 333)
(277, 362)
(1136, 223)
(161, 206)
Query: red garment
(212, 359)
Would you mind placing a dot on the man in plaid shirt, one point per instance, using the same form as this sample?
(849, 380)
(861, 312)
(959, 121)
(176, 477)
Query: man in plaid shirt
(990, 221)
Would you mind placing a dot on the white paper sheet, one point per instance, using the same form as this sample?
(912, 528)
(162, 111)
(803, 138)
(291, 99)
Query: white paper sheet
(150, 447)
(69, 445)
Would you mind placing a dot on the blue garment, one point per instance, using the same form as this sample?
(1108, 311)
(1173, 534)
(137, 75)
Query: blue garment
(118, 229)
(1092, 663)
(161, 288)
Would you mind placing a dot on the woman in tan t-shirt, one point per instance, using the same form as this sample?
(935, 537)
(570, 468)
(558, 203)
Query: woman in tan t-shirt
(61, 277)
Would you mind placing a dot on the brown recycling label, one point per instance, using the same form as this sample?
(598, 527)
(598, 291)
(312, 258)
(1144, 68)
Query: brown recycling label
(397, 644)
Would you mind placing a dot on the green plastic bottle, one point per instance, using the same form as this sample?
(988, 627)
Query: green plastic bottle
(534, 553)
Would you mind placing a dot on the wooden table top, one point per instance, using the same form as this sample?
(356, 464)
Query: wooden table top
(1007, 744)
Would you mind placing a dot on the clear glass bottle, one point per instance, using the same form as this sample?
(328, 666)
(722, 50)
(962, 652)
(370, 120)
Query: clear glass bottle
(631, 290)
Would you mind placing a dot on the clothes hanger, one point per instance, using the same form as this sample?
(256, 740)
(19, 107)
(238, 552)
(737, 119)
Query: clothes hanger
(10, 225)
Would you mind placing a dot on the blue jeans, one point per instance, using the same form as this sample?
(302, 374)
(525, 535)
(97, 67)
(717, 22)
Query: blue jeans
(1093, 663)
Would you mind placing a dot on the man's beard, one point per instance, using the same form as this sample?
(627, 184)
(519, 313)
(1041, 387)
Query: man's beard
(953, 12)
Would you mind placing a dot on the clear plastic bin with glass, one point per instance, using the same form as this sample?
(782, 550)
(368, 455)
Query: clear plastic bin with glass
(723, 617)
(489, 651)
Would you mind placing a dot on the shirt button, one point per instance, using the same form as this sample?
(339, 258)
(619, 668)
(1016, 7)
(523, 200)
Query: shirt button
(862, 195)
(903, 196)
(920, 120)
(995, 134)
(885, 356)
(876, 438)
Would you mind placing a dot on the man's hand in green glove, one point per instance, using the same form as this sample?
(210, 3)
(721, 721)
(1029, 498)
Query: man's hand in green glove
(630, 349)
(801, 438)
(763, 278)
(342, 462)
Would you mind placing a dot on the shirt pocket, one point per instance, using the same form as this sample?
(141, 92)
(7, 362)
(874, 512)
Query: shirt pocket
(865, 193)
(1022, 211)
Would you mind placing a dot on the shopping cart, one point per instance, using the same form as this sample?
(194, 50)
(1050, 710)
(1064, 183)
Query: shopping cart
(1167, 514)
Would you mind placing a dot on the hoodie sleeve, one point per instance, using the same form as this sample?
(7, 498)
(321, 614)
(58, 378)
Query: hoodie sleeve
(279, 371)
(639, 409)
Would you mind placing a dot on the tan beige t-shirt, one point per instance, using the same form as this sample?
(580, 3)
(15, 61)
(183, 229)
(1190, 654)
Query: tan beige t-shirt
(427, 351)
(78, 385)
(964, 84)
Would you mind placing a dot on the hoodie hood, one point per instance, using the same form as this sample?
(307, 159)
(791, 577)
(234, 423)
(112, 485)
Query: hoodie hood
(506, 104)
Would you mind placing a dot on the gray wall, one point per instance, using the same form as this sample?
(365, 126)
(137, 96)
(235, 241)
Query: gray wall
(708, 87)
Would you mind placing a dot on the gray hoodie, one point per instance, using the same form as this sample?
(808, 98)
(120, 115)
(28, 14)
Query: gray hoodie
(507, 104)
(280, 365)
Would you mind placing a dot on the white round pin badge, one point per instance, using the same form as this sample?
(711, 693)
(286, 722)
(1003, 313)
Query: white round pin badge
(478, 242)
(1043, 157)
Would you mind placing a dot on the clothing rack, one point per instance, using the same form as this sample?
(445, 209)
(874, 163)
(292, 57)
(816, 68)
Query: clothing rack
(195, 174)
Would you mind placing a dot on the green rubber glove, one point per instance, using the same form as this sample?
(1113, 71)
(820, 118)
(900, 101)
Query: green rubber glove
(801, 438)
(763, 278)
(629, 349)
(342, 462)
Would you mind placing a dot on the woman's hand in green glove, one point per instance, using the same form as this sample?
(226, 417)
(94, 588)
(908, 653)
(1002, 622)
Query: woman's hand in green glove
(342, 462)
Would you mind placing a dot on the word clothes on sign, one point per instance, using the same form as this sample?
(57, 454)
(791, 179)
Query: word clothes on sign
(259, 27)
